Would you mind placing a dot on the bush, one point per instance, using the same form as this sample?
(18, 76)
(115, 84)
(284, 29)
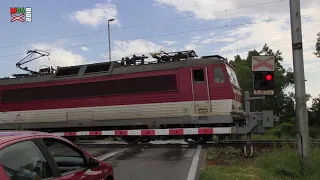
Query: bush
(314, 132)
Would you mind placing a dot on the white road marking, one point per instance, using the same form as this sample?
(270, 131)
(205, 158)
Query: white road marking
(194, 165)
(99, 142)
(111, 154)
(178, 142)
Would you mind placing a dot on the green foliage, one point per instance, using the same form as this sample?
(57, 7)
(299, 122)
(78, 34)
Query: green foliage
(314, 118)
(317, 53)
(283, 131)
(288, 128)
(315, 111)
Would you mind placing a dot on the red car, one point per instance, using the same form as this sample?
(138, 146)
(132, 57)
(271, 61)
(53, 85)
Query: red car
(27, 155)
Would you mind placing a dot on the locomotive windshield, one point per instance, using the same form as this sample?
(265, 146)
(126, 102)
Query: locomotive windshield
(232, 76)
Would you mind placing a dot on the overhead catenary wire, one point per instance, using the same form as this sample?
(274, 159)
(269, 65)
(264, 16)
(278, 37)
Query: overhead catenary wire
(217, 50)
(190, 16)
(239, 40)
(137, 25)
(233, 50)
(167, 34)
(214, 50)
(212, 28)
(238, 49)
(224, 42)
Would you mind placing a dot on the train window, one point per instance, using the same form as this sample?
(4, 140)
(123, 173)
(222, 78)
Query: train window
(68, 71)
(101, 88)
(218, 75)
(198, 75)
(232, 76)
(97, 68)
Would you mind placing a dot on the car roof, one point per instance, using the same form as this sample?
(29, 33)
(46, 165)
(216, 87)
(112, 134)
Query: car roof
(8, 137)
(12, 135)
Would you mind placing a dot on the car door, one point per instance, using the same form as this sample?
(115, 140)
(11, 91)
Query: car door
(25, 161)
(70, 161)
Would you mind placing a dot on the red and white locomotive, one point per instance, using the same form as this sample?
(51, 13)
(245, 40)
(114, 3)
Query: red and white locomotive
(178, 95)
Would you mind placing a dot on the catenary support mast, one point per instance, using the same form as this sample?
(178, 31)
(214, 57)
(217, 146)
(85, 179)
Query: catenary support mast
(299, 79)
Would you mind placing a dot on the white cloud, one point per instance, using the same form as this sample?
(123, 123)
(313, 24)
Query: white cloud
(84, 48)
(96, 16)
(58, 56)
(122, 49)
(218, 39)
(208, 9)
(277, 35)
(170, 42)
(190, 47)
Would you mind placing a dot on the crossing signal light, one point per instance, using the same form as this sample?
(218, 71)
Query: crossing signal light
(269, 77)
(263, 81)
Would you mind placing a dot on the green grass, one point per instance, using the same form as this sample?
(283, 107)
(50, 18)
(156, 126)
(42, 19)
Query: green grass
(275, 164)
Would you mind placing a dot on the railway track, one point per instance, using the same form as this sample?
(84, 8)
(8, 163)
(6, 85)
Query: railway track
(173, 144)
(246, 150)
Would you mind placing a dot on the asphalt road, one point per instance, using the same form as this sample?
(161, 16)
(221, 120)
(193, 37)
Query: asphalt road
(174, 162)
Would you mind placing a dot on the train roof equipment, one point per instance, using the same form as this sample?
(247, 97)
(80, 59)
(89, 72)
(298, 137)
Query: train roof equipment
(135, 64)
(31, 56)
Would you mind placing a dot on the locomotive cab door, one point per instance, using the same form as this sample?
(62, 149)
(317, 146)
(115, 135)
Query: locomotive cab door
(200, 89)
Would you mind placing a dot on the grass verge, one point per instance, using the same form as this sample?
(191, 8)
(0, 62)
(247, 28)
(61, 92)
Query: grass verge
(272, 164)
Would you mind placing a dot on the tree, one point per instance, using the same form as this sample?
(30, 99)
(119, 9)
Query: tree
(237, 58)
(313, 117)
(317, 53)
(315, 112)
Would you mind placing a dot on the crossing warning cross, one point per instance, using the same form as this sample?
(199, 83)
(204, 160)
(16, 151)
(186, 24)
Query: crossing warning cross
(263, 63)
(14, 18)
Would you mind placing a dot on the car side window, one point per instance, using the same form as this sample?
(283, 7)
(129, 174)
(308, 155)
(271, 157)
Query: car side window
(24, 160)
(67, 158)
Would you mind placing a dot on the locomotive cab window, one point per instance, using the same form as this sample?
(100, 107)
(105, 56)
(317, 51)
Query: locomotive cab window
(218, 75)
(198, 75)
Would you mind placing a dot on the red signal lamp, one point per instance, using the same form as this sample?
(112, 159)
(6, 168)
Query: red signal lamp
(269, 77)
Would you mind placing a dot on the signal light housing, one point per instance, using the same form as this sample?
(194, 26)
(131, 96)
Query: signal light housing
(263, 81)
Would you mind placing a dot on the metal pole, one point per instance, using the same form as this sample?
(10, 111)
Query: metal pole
(109, 41)
(247, 110)
(299, 79)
